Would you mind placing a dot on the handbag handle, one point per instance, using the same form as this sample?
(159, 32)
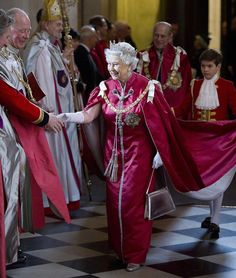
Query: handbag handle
(150, 180)
(149, 184)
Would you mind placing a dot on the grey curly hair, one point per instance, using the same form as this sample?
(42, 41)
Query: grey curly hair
(5, 21)
(124, 51)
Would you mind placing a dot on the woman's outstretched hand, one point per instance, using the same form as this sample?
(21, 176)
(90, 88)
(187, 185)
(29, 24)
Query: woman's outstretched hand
(77, 117)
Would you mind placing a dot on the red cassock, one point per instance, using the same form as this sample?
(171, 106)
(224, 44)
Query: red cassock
(98, 55)
(173, 97)
(157, 129)
(25, 118)
(44, 177)
(227, 100)
(19, 105)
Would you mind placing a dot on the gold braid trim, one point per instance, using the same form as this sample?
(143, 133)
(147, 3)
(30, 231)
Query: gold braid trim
(145, 64)
(5, 54)
(40, 118)
(146, 70)
(26, 85)
(129, 107)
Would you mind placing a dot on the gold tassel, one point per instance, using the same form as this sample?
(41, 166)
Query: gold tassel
(107, 172)
(113, 177)
(112, 168)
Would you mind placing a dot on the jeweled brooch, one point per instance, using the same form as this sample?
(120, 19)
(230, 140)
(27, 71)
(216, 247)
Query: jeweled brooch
(132, 120)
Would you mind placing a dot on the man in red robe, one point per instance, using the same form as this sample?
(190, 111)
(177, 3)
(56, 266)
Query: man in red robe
(100, 24)
(166, 63)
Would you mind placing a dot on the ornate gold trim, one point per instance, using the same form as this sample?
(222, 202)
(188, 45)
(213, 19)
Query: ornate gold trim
(6, 55)
(129, 107)
(40, 118)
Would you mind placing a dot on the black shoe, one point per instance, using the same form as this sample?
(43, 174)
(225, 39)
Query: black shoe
(206, 223)
(21, 259)
(214, 231)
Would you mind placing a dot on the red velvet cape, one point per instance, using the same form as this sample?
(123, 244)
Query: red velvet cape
(195, 154)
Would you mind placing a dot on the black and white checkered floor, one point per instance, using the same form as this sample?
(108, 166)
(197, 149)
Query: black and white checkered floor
(179, 247)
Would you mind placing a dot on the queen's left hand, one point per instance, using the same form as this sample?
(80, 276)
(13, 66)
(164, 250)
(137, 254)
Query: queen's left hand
(157, 161)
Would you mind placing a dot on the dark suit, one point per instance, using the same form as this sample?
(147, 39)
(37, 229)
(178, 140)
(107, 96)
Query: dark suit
(88, 70)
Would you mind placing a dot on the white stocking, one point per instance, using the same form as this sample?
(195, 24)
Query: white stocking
(211, 207)
(215, 206)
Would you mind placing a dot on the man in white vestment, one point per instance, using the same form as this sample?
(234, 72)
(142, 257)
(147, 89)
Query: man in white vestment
(43, 57)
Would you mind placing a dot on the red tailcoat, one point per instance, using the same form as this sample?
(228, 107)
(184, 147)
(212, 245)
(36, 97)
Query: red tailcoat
(44, 177)
(227, 100)
(174, 98)
(98, 55)
(129, 233)
(19, 105)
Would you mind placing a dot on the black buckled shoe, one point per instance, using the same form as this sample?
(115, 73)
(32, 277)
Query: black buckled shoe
(206, 223)
(214, 231)
(21, 259)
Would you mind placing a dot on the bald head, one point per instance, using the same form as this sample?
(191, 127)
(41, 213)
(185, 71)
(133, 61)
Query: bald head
(163, 24)
(88, 36)
(13, 12)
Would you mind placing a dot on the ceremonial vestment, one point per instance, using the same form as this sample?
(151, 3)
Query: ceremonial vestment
(226, 110)
(16, 160)
(171, 68)
(138, 122)
(227, 103)
(45, 60)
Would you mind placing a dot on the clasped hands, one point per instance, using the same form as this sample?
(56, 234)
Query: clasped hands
(54, 124)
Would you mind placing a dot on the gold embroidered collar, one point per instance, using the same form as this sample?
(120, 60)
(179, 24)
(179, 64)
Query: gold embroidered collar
(129, 107)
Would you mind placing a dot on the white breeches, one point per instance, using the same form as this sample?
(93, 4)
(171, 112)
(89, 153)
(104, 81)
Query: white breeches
(214, 193)
(214, 190)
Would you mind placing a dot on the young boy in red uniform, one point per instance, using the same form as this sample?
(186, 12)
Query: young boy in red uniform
(211, 99)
